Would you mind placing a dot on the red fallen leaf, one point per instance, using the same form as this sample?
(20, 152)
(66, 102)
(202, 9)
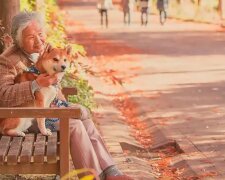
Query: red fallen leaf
(126, 152)
(154, 164)
(164, 162)
(162, 123)
(140, 126)
(135, 68)
(132, 121)
(209, 174)
(188, 118)
(206, 161)
(203, 176)
(216, 110)
(146, 142)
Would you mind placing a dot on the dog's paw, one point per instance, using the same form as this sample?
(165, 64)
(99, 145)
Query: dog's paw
(13, 132)
(49, 132)
(22, 134)
(46, 132)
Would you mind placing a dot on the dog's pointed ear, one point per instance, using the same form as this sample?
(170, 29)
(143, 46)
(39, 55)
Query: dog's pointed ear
(48, 48)
(68, 49)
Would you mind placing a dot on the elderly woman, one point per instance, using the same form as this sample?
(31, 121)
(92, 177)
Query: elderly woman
(86, 145)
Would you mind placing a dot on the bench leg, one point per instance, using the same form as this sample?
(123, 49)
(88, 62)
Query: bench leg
(64, 147)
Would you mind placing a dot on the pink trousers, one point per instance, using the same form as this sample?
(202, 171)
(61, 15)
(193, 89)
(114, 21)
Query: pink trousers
(86, 144)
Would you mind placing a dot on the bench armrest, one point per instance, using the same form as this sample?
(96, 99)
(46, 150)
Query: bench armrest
(69, 91)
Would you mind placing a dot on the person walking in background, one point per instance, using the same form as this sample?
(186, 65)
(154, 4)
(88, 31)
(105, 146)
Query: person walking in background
(103, 7)
(162, 6)
(144, 5)
(127, 7)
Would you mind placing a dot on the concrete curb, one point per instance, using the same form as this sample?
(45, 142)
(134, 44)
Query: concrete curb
(192, 162)
(115, 131)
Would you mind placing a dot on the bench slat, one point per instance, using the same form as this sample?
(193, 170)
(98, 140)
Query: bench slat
(52, 148)
(4, 146)
(15, 147)
(39, 149)
(27, 148)
(32, 168)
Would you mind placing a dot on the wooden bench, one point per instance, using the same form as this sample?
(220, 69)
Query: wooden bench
(34, 153)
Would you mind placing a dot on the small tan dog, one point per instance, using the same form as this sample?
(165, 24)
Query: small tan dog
(53, 61)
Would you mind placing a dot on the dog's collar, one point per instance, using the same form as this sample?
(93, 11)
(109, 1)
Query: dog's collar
(33, 69)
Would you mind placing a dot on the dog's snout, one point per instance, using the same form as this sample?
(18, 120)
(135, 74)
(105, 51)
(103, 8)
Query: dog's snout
(63, 67)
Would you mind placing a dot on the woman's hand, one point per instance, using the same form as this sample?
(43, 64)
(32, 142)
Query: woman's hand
(45, 80)
(61, 96)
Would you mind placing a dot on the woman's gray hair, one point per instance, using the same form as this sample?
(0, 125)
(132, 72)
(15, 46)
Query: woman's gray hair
(21, 21)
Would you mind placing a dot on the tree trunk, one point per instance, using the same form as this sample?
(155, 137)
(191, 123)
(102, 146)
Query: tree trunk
(221, 8)
(197, 7)
(8, 9)
(178, 1)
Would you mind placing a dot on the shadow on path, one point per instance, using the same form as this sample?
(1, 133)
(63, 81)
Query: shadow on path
(154, 43)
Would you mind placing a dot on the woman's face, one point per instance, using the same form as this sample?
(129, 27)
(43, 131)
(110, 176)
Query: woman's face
(33, 38)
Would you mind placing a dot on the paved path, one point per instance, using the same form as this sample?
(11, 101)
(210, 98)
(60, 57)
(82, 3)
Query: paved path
(174, 76)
